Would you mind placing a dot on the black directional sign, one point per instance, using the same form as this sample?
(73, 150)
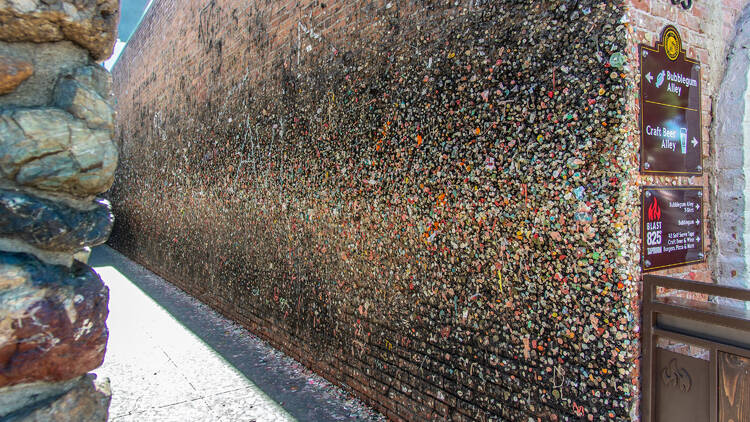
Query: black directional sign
(671, 227)
(670, 108)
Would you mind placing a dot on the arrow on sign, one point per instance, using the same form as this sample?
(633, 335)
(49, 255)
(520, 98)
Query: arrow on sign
(649, 77)
(697, 221)
(694, 142)
(697, 207)
(698, 239)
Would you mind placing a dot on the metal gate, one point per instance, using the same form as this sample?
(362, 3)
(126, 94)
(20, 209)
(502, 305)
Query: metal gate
(696, 352)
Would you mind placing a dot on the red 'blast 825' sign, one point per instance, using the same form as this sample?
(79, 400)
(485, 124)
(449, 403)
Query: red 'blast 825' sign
(672, 227)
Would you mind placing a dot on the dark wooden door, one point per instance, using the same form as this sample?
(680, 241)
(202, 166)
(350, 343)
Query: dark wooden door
(681, 388)
(734, 388)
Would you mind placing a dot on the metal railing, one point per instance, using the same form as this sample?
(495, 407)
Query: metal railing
(678, 383)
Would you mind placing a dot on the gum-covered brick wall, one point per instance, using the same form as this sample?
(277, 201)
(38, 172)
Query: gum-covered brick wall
(426, 202)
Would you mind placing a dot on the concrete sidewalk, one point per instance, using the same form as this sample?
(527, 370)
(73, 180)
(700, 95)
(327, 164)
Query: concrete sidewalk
(172, 358)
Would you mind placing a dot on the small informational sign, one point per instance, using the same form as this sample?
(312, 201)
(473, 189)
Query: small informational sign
(671, 227)
(670, 97)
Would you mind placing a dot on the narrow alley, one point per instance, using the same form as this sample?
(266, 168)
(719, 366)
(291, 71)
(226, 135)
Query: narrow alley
(172, 358)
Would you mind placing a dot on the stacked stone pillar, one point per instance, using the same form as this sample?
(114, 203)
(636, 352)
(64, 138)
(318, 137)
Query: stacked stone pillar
(56, 155)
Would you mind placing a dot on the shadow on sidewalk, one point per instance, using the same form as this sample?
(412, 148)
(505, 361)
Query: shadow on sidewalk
(220, 366)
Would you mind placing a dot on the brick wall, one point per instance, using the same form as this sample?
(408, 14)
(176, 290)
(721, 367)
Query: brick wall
(707, 29)
(432, 204)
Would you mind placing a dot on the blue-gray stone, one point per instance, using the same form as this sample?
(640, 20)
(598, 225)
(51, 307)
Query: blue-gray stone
(84, 103)
(53, 226)
(51, 150)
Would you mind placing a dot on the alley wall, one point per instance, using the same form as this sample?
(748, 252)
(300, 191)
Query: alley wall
(431, 204)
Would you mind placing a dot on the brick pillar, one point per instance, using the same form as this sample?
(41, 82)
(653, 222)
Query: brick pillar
(56, 155)
(731, 187)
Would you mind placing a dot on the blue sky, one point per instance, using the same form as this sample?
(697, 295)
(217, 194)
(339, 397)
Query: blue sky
(131, 12)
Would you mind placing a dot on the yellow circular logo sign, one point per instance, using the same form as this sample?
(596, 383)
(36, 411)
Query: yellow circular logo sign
(672, 43)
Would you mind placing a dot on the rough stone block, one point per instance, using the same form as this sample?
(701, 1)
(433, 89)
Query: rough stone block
(48, 170)
(87, 401)
(51, 150)
(53, 226)
(84, 103)
(12, 72)
(51, 61)
(83, 255)
(53, 324)
(43, 131)
(96, 78)
(90, 24)
(19, 396)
